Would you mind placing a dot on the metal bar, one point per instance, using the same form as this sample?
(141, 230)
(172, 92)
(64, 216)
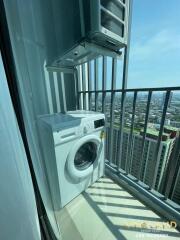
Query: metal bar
(147, 196)
(123, 98)
(48, 92)
(80, 92)
(64, 104)
(56, 88)
(127, 49)
(153, 89)
(89, 84)
(84, 87)
(156, 155)
(138, 89)
(175, 184)
(61, 69)
(113, 86)
(129, 160)
(77, 87)
(82, 18)
(104, 83)
(120, 2)
(96, 82)
(100, 91)
(146, 162)
(52, 82)
(171, 172)
(117, 19)
(144, 132)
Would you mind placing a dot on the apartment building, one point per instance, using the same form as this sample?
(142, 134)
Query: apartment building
(142, 163)
(176, 192)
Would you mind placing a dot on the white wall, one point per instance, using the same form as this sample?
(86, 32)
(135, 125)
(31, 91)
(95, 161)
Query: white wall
(34, 31)
(18, 213)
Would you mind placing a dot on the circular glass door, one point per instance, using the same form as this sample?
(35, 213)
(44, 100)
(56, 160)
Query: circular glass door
(82, 156)
(85, 155)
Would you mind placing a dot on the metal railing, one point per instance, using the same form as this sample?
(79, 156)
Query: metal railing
(130, 115)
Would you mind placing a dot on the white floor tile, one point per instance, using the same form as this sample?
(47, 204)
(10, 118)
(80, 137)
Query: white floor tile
(107, 212)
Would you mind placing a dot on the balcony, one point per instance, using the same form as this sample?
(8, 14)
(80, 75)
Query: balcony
(142, 158)
(107, 211)
(141, 190)
(142, 135)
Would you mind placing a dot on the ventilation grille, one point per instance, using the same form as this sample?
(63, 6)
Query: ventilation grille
(113, 16)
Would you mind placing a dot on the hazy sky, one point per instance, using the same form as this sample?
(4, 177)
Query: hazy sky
(155, 44)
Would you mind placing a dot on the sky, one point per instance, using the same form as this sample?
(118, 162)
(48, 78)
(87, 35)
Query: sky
(154, 59)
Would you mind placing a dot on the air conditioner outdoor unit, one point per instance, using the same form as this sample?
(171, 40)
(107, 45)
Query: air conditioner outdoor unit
(100, 28)
(106, 22)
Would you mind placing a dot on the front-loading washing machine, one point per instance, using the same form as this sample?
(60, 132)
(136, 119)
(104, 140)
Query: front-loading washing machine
(73, 150)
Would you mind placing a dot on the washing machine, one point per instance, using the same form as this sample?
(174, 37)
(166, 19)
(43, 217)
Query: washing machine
(73, 151)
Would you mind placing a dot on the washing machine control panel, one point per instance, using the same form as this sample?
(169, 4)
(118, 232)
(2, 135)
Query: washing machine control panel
(99, 123)
(91, 126)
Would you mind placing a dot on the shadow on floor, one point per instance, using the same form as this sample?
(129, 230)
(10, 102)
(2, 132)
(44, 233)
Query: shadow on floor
(109, 224)
(124, 215)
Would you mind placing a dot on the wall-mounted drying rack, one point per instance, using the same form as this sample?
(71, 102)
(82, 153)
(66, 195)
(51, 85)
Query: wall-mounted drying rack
(80, 54)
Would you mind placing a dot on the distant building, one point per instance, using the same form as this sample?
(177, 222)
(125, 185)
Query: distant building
(175, 124)
(148, 158)
(176, 192)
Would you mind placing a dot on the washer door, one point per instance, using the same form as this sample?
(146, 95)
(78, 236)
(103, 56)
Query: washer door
(83, 156)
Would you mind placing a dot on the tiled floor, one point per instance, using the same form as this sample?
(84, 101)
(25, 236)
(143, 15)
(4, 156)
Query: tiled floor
(107, 212)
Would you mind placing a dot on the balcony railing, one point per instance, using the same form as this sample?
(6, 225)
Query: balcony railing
(142, 126)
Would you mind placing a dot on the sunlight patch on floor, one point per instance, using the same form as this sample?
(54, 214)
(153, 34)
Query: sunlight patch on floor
(105, 211)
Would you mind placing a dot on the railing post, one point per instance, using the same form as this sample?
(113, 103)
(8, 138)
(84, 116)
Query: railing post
(129, 157)
(89, 85)
(156, 154)
(77, 89)
(144, 133)
(96, 64)
(113, 86)
(104, 81)
(123, 97)
(172, 170)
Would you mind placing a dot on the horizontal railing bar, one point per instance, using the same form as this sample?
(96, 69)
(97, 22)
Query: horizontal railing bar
(100, 91)
(138, 90)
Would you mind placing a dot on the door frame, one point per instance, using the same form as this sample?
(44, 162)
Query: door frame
(10, 71)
